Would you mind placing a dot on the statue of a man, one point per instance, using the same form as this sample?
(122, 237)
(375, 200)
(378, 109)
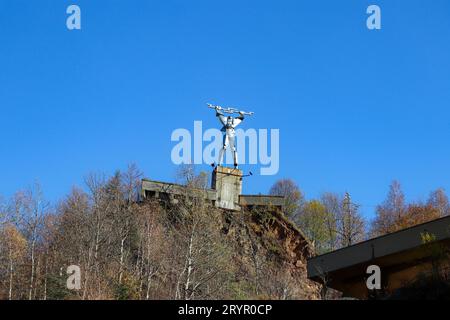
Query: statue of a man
(229, 137)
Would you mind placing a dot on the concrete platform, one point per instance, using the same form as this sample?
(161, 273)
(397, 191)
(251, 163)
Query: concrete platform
(225, 192)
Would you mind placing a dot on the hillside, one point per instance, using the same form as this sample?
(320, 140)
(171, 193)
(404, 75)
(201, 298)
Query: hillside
(148, 250)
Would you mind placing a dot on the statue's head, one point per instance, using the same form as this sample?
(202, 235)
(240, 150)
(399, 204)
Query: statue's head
(229, 120)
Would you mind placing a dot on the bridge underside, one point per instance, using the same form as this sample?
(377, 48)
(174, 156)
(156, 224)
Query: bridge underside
(402, 257)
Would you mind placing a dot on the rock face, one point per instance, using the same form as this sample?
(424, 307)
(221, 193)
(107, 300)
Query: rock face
(271, 252)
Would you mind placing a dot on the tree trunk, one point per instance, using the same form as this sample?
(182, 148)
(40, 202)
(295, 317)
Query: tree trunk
(33, 243)
(11, 271)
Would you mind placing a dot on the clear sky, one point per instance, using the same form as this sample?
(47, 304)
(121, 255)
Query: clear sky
(355, 108)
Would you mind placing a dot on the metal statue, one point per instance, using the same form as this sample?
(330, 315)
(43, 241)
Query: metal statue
(229, 124)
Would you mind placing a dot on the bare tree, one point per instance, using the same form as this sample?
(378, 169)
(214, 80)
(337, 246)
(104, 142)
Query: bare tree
(351, 225)
(31, 208)
(73, 240)
(99, 228)
(439, 200)
(201, 254)
(12, 251)
(153, 246)
(6, 215)
(123, 190)
(130, 248)
(188, 176)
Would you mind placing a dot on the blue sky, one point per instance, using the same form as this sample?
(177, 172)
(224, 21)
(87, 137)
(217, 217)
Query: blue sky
(355, 108)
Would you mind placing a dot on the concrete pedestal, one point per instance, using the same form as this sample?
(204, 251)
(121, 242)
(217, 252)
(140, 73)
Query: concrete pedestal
(228, 184)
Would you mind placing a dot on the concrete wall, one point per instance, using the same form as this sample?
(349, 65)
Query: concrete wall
(225, 192)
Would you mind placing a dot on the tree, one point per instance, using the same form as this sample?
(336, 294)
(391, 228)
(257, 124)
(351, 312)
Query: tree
(416, 213)
(122, 191)
(393, 214)
(311, 221)
(5, 213)
(332, 203)
(128, 249)
(201, 256)
(129, 185)
(12, 251)
(99, 233)
(73, 240)
(343, 222)
(151, 261)
(293, 196)
(31, 208)
(439, 200)
(200, 260)
(351, 225)
(391, 210)
(187, 175)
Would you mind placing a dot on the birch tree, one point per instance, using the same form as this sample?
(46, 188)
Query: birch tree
(31, 208)
(12, 254)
